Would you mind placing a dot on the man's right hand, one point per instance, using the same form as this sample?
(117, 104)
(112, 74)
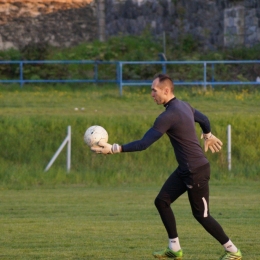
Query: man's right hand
(106, 148)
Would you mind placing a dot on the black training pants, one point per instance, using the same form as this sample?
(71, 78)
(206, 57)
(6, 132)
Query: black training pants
(196, 183)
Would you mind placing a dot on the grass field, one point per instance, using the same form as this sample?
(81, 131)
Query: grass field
(34, 122)
(104, 208)
(105, 223)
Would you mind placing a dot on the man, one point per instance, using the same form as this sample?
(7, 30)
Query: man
(193, 172)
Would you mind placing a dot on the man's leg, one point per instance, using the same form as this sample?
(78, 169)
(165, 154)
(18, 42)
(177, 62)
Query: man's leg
(199, 201)
(171, 190)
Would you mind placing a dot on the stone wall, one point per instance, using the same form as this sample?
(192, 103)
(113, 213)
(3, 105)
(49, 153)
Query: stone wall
(214, 23)
(242, 25)
(11, 9)
(57, 22)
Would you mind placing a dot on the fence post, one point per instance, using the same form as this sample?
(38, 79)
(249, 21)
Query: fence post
(21, 73)
(163, 58)
(67, 140)
(117, 74)
(212, 72)
(229, 146)
(69, 149)
(120, 78)
(96, 72)
(205, 75)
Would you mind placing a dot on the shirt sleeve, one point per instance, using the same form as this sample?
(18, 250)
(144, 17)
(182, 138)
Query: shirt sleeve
(148, 139)
(202, 120)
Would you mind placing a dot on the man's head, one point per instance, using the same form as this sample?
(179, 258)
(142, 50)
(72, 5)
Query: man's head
(162, 89)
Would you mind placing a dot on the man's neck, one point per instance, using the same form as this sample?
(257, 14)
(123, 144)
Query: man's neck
(169, 98)
(167, 103)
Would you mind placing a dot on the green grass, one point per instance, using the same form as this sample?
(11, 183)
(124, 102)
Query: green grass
(120, 222)
(104, 208)
(34, 122)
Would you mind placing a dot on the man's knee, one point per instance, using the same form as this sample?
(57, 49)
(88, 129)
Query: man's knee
(159, 203)
(200, 217)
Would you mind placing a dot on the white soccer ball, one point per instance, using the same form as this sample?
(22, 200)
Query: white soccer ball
(94, 134)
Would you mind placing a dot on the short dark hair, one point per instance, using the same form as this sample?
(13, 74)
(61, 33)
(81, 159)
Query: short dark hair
(163, 77)
(164, 80)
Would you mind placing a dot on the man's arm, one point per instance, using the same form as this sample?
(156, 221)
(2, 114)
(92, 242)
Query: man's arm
(148, 139)
(202, 120)
(210, 141)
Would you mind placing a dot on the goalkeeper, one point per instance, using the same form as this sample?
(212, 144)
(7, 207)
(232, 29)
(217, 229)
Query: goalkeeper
(193, 172)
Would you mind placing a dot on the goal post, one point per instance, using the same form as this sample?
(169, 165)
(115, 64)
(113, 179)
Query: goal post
(67, 141)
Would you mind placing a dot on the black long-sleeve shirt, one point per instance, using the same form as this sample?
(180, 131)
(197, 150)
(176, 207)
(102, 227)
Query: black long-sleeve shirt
(177, 121)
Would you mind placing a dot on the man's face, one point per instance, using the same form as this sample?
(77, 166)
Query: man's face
(157, 93)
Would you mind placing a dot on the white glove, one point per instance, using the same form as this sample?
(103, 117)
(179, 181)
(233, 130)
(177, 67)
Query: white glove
(105, 148)
(211, 142)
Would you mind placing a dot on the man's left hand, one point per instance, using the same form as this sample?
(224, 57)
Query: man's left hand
(211, 142)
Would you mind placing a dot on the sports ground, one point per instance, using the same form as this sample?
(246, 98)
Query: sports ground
(103, 209)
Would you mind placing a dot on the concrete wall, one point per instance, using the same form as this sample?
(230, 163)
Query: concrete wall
(214, 23)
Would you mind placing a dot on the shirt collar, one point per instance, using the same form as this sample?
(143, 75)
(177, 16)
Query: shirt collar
(168, 103)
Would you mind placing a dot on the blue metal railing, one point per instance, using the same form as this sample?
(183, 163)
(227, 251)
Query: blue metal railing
(22, 81)
(119, 66)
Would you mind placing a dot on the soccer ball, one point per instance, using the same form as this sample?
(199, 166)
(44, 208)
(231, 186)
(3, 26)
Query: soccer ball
(94, 134)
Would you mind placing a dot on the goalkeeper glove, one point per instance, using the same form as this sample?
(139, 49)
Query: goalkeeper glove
(105, 148)
(211, 142)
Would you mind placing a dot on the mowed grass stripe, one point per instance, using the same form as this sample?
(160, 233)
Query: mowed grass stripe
(119, 223)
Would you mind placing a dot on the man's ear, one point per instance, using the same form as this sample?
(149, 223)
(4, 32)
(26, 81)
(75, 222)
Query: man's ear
(166, 90)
